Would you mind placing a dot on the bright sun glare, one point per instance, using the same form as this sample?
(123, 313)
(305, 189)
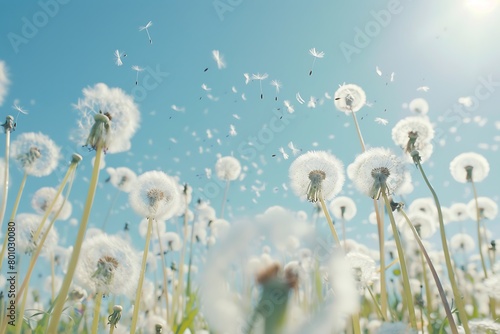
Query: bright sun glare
(481, 6)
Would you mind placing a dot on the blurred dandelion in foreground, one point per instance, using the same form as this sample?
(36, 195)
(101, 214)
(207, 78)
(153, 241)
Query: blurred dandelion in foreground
(260, 77)
(316, 54)
(227, 169)
(146, 27)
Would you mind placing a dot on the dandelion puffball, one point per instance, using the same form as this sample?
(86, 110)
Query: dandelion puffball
(468, 167)
(228, 168)
(315, 174)
(349, 98)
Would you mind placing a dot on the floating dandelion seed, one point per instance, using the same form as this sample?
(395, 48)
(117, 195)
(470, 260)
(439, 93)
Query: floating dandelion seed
(146, 27)
(295, 150)
(299, 98)
(282, 151)
(232, 130)
(392, 76)
(312, 102)
(118, 57)
(137, 69)
(247, 78)
(382, 121)
(218, 59)
(316, 55)
(423, 88)
(379, 72)
(20, 109)
(260, 77)
(288, 106)
(277, 85)
(205, 88)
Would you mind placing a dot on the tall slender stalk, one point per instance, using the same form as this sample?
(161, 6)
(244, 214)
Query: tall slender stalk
(329, 219)
(164, 269)
(97, 310)
(137, 303)
(449, 267)
(68, 278)
(358, 130)
(435, 275)
(402, 262)
(8, 126)
(224, 199)
(479, 236)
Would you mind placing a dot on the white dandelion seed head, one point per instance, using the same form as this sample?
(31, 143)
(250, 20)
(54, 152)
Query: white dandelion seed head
(4, 81)
(363, 269)
(459, 212)
(421, 126)
(462, 242)
(228, 168)
(43, 198)
(424, 205)
(484, 326)
(375, 168)
(155, 195)
(419, 106)
(488, 208)
(316, 173)
(124, 120)
(469, 165)
(109, 265)
(35, 153)
(349, 98)
(27, 225)
(423, 223)
(316, 54)
(122, 178)
(343, 207)
(219, 227)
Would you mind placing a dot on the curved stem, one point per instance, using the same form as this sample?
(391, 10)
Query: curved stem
(68, 278)
(329, 219)
(402, 262)
(137, 303)
(449, 268)
(435, 275)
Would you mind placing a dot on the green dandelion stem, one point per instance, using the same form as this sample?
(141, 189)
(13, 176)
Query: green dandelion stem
(5, 178)
(358, 130)
(402, 262)
(97, 309)
(442, 293)
(329, 219)
(479, 236)
(68, 278)
(137, 302)
(449, 268)
(381, 245)
(164, 269)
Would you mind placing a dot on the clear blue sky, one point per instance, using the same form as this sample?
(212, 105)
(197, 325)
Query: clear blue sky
(444, 45)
